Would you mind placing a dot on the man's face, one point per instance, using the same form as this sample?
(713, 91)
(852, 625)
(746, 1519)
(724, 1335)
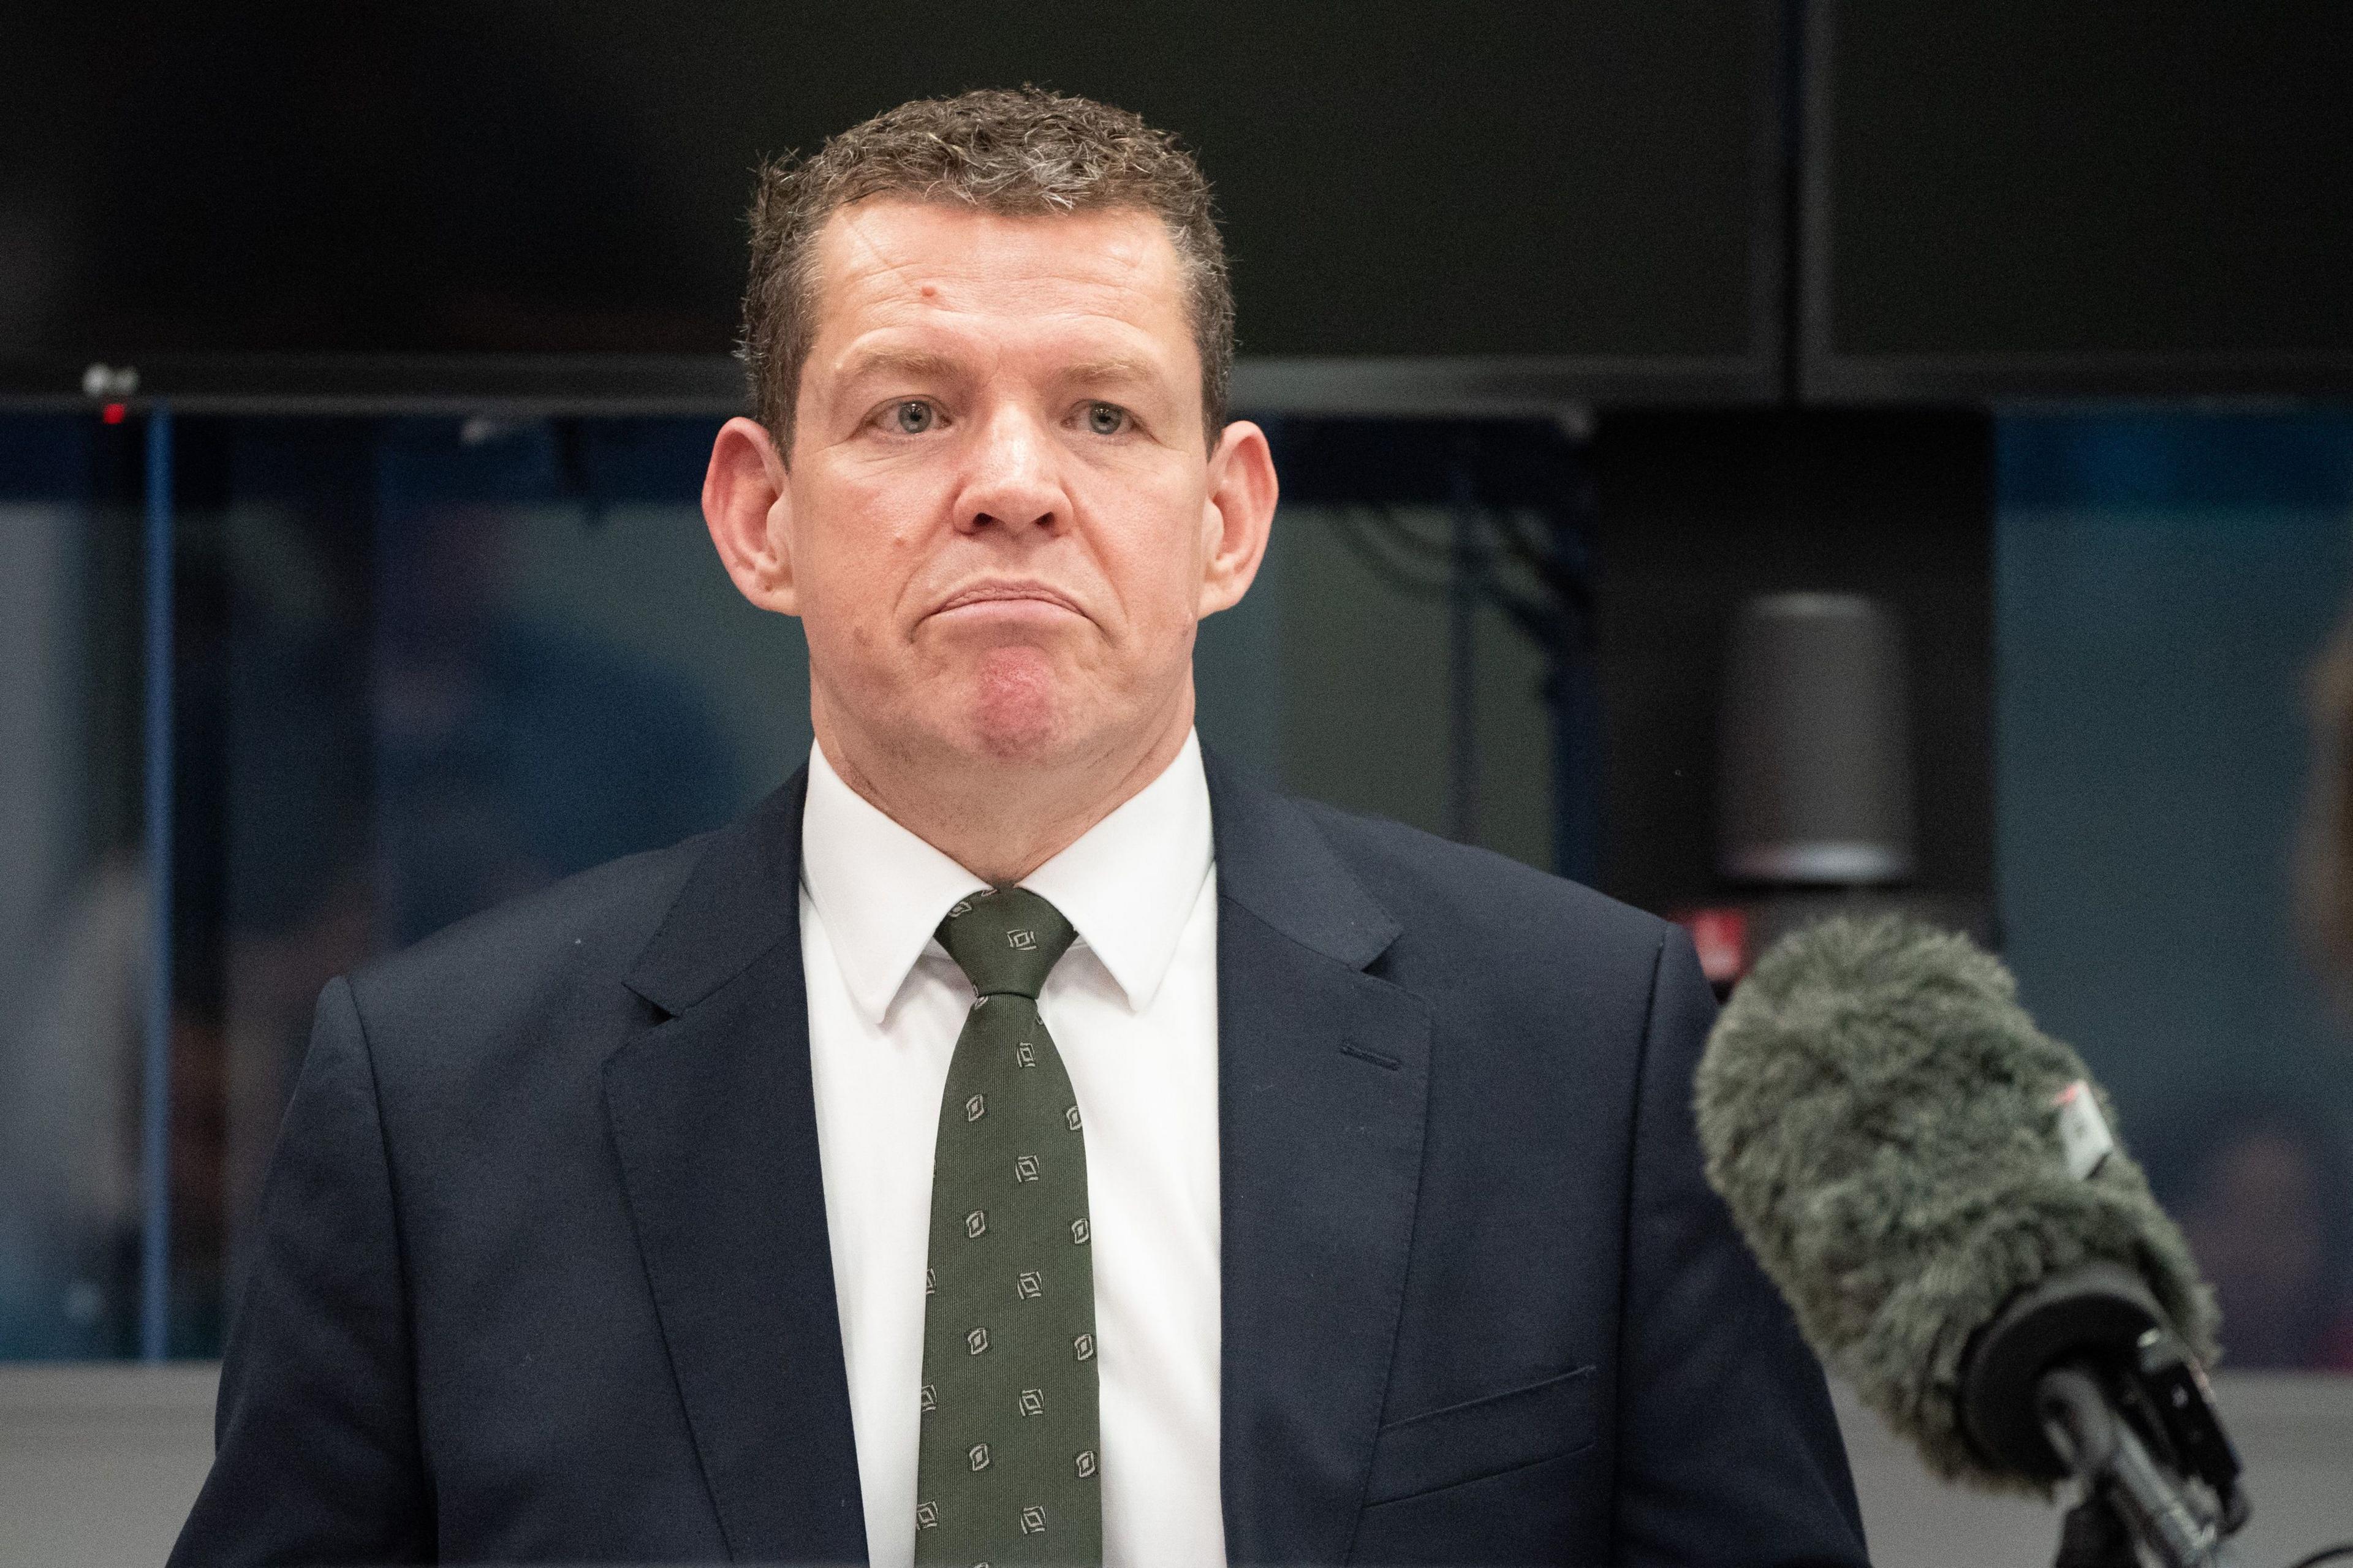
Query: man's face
(999, 518)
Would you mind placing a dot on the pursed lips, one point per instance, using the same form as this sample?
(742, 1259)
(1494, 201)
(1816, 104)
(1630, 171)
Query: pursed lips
(979, 595)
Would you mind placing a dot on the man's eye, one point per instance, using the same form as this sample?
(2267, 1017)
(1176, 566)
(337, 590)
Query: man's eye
(1106, 418)
(912, 418)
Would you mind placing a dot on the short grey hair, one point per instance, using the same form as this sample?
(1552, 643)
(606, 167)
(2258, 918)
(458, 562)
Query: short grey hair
(1016, 152)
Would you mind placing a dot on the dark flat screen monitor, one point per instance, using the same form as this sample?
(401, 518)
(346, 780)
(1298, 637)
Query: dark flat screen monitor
(2021, 198)
(307, 200)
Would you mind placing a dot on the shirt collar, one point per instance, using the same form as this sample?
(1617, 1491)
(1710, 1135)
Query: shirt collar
(1127, 886)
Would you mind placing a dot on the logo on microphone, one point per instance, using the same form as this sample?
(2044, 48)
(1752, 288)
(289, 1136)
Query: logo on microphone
(2084, 1136)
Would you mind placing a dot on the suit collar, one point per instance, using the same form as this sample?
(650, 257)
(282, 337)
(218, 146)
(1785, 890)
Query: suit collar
(738, 903)
(1274, 862)
(1271, 859)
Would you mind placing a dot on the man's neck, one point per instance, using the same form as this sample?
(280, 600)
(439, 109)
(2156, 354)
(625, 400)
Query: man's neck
(1001, 820)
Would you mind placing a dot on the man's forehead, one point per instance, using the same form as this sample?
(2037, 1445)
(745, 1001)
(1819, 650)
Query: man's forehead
(887, 251)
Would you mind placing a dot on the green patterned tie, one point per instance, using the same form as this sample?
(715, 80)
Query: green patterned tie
(1007, 1468)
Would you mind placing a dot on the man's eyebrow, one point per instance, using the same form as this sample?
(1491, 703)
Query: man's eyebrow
(1111, 368)
(917, 363)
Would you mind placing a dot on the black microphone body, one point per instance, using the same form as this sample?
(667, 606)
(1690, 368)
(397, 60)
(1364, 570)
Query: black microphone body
(1931, 1182)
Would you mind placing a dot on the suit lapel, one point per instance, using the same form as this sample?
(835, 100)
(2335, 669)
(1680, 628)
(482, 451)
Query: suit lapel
(1322, 1079)
(715, 1122)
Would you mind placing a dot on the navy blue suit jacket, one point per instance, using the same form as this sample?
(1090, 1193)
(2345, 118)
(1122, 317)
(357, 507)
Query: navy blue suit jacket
(543, 1273)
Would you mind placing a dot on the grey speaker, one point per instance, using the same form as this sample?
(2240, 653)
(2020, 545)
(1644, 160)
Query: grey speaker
(1814, 744)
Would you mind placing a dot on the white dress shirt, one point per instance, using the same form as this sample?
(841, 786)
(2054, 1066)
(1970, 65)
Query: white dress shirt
(1133, 1007)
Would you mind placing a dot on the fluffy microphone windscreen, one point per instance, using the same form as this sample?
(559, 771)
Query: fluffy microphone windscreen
(1882, 1117)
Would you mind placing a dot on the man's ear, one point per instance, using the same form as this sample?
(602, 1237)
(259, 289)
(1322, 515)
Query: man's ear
(748, 507)
(1238, 516)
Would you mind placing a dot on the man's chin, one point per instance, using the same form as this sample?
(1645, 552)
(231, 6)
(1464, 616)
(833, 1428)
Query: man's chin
(1017, 708)
(1017, 734)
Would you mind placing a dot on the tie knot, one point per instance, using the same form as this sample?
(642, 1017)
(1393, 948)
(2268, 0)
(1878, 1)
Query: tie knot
(1007, 940)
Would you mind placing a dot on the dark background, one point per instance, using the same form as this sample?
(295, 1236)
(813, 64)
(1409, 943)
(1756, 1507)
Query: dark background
(2022, 193)
(1644, 200)
(1536, 179)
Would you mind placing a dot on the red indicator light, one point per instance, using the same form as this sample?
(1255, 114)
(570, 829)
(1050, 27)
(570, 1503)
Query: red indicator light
(115, 413)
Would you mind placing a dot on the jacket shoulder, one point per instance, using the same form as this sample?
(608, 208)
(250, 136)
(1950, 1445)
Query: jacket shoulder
(1458, 898)
(512, 959)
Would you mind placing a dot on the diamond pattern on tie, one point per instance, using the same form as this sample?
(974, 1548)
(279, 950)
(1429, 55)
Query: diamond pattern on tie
(1010, 1390)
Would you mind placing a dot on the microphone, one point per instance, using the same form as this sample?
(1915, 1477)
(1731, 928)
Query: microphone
(1931, 1182)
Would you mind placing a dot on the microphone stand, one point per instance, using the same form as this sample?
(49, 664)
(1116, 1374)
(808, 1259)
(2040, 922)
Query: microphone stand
(2081, 1376)
(2128, 1496)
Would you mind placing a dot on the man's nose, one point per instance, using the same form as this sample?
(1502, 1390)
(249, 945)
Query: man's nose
(1014, 482)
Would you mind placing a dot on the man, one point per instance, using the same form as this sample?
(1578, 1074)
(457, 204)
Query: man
(1019, 1138)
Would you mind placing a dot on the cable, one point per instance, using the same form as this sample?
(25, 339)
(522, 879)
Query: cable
(1400, 532)
(1375, 561)
(1533, 616)
(1542, 561)
(1373, 533)
(2325, 1555)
